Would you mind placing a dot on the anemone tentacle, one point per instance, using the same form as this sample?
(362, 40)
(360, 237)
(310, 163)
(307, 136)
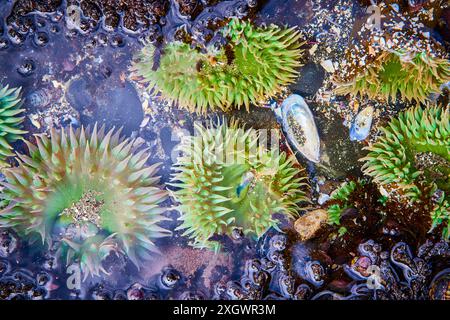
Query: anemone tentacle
(341, 195)
(10, 121)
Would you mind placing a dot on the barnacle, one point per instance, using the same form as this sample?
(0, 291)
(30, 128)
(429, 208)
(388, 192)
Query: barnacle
(87, 192)
(413, 152)
(10, 120)
(261, 61)
(226, 180)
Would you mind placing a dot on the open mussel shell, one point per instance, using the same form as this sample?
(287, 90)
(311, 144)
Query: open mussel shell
(298, 124)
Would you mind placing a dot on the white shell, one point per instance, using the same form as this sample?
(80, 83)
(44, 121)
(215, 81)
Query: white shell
(362, 124)
(303, 121)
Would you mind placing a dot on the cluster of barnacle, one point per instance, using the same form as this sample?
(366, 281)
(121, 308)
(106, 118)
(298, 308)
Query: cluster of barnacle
(17, 283)
(270, 274)
(286, 271)
(161, 286)
(398, 274)
(22, 284)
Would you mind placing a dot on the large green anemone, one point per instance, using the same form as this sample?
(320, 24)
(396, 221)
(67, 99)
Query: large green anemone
(226, 180)
(413, 154)
(87, 192)
(413, 76)
(10, 121)
(399, 59)
(259, 62)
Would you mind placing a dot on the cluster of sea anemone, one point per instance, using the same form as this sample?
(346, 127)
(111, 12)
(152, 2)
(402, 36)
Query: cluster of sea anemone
(226, 181)
(384, 64)
(413, 155)
(256, 64)
(88, 192)
(10, 121)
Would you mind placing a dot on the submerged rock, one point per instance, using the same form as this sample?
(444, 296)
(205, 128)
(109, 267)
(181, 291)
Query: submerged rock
(110, 102)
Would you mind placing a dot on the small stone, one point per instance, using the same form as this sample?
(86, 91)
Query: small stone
(327, 65)
(323, 198)
(145, 121)
(35, 120)
(308, 224)
(313, 49)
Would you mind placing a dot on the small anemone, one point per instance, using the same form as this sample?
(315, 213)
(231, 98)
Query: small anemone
(440, 214)
(256, 64)
(341, 196)
(10, 121)
(87, 193)
(226, 181)
(413, 153)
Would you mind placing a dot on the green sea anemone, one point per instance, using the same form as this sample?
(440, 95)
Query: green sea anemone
(413, 76)
(384, 63)
(256, 64)
(412, 153)
(10, 120)
(225, 181)
(87, 192)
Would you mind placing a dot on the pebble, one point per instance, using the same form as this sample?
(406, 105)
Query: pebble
(327, 65)
(309, 224)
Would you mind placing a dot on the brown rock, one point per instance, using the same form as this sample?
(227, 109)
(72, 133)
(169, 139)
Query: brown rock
(311, 222)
